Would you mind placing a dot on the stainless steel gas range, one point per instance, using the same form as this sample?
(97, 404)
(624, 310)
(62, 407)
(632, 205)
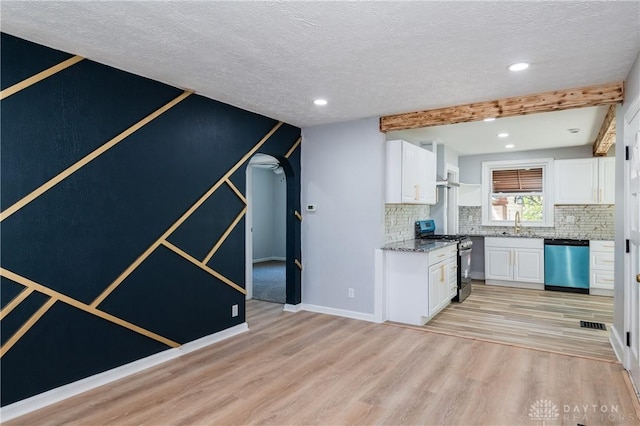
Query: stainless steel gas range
(425, 229)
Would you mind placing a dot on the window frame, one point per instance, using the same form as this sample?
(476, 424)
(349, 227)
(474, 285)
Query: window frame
(547, 190)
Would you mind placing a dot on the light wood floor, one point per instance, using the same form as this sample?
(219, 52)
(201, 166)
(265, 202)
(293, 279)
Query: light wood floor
(546, 320)
(306, 368)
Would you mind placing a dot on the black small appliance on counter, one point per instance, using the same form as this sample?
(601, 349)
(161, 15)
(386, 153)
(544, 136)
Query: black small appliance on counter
(425, 229)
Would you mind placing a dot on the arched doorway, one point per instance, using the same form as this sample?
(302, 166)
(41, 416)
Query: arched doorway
(266, 230)
(280, 171)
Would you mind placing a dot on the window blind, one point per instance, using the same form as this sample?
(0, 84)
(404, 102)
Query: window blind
(517, 180)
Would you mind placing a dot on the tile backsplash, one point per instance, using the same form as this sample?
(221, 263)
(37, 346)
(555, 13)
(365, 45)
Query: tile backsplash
(590, 222)
(399, 220)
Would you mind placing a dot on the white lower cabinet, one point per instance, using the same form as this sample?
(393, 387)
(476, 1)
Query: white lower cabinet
(420, 284)
(528, 265)
(514, 262)
(601, 254)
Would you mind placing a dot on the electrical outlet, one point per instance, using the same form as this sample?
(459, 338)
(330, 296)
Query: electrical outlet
(570, 219)
(234, 310)
(352, 293)
(470, 218)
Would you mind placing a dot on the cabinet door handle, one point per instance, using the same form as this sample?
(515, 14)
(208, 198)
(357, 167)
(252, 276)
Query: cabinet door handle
(595, 195)
(441, 273)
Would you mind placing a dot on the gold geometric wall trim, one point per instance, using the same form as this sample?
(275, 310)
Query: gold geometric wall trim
(293, 148)
(224, 236)
(11, 90)
(56, 296)
(163, 238)
(15, 302)
(90, 157)
(298, 215)
(26, 326)
(202, 266)
(237, 191)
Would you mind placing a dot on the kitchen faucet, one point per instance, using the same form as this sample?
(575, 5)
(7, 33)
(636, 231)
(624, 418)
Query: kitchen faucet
(517, 224)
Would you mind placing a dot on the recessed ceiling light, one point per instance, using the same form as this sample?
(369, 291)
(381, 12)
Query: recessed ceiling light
(320, 102)
(520, 66)
(490, 119)
(503, 135)
(509, 146)
(573, 130)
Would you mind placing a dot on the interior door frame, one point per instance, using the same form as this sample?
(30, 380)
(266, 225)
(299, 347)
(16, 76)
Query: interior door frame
(249, 229)
(631, 361)
(293, 266)
(248, 246)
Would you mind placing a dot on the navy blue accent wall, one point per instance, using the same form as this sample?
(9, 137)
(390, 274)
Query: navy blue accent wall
(197, 235)
(66, 345)
(75, 116)
(8, 290)
(27, 59)
(165, 295)
(12, 322)
(78, 237)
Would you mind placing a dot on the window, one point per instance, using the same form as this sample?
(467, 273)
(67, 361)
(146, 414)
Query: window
(511, 187)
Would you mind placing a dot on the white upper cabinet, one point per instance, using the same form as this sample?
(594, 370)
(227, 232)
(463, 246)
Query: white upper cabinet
(410, 174)
(585, 181)
(607, 180)
(576, 181)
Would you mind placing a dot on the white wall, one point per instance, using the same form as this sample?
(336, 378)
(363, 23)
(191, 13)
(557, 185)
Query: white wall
(269, 206)
(631, 93)
(343, 174)
(471, 165)
(445, 156)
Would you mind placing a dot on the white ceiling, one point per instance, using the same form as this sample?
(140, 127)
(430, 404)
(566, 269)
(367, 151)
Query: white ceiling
(526, 132)
(366, 58)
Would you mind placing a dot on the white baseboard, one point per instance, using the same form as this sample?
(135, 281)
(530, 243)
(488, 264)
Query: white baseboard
(213, 338)
(340, 312)
(616, 343)
(516, 284)
(58, 394)
(601, 292)
(292, 308)
(269, 259)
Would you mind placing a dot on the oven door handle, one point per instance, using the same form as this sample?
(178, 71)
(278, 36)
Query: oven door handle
(464, 252)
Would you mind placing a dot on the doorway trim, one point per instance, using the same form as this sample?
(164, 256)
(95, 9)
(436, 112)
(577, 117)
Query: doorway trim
(630, 360)
(257, 160)
(293, 296)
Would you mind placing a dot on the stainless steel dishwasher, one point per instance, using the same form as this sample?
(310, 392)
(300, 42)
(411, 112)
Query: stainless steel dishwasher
(566, 265)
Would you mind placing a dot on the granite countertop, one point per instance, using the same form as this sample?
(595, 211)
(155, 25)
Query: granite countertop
(512, 235)
(418, 245)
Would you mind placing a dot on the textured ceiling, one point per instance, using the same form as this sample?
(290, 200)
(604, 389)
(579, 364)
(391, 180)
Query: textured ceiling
(366, 58)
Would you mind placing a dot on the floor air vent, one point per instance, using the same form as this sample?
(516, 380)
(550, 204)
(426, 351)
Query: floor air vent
(595, 325)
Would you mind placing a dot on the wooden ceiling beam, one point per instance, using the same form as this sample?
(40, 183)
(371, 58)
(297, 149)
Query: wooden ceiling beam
(607, 134)
(603, 94)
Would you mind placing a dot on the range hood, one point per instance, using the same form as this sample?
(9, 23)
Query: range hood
(446, 183)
